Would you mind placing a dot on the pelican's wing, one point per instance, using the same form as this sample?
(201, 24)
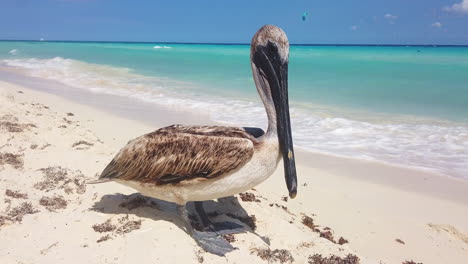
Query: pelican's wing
(177, 153)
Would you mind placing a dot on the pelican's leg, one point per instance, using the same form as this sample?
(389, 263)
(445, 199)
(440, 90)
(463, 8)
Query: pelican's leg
(202, 214)
(209, 241)
(221, 228)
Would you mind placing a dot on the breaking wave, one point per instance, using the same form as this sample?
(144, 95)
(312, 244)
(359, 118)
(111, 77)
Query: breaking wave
(427, 144)
(162, 47)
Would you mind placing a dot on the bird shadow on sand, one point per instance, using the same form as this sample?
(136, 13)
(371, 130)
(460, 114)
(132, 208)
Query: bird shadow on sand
(223, 209)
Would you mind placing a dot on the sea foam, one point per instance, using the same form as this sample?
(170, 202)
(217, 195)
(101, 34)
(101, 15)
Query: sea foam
(437, 146)
(162, 47)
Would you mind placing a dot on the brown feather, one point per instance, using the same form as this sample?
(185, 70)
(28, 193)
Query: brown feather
(177, 153)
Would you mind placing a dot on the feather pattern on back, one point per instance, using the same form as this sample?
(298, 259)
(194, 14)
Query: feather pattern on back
(179, 153)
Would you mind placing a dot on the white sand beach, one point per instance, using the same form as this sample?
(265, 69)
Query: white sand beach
(50, 145)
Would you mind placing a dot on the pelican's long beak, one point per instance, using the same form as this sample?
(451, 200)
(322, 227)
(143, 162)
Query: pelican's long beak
(285, 141)
(284, 133)
(271, 63)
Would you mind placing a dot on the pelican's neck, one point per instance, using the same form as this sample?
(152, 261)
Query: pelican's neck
(263, 89)
(271, 114)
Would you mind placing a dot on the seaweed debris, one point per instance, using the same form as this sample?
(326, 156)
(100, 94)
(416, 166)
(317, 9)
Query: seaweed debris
(277, 255)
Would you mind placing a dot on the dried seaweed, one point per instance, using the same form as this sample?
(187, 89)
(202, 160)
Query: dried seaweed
(17, 213)
(15, 127)
(61, 178)
(306, 244)
(230, 238)
(124, 226)
(16, 194)
(53, 203)
(103, 238)
(15, 160)
(67, 121)
(277, 255)
(342, 241)
(129, 226)
(107, 226)
(10, 123)
(45, 146)
(199, 256)
(248, 197)
(282, 207)
(326, 233)
(309, 222)
(333, 259)
(53, 176)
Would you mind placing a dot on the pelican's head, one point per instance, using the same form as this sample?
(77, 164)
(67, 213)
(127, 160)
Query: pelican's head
(269, 54)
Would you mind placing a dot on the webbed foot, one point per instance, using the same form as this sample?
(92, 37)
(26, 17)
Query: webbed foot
(212, 242)
(211, 239)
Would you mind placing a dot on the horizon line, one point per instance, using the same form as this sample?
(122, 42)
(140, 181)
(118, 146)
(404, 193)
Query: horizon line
(232, 44)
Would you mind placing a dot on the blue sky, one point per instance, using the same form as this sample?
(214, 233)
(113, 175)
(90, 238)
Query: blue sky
(235, 21)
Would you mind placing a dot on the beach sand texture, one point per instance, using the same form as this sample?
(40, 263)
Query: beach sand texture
(50, 146)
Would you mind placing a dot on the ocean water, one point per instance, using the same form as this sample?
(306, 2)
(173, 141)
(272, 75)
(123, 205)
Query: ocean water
(401, 105)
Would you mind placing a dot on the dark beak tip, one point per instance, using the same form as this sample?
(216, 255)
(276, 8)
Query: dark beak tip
(292, 194)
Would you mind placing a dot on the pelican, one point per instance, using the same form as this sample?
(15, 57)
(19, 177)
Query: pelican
(182, 163)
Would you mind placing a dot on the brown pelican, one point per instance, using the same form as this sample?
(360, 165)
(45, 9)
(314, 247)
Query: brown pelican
(198, 163)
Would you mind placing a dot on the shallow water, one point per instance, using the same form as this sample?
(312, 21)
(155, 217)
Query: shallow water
(402, 105)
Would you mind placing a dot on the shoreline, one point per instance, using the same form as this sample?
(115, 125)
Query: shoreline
(417, 141)
(423, 209)
(134, 109)
(426, 182)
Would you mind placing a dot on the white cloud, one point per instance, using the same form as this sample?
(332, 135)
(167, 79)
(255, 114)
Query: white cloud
(390, 16)
(437, 24)
(461, 7)
(353, 27)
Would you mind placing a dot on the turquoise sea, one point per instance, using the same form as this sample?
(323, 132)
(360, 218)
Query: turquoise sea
(405, 105)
